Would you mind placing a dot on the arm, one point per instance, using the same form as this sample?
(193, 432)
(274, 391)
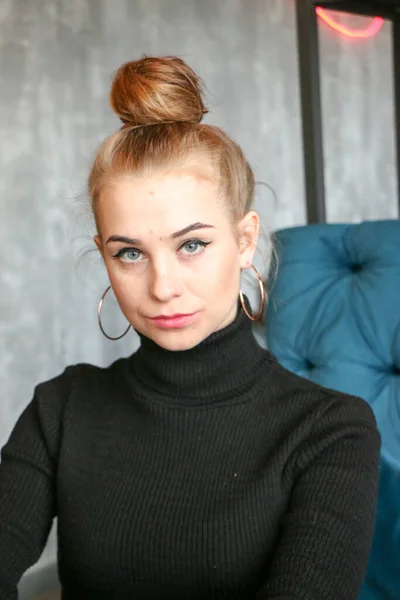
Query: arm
(27, 484)
(326, 533)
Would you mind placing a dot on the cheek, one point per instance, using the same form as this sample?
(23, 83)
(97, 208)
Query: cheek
(121, 280)
(219, 274)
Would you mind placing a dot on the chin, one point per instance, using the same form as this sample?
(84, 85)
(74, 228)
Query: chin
(178, 340)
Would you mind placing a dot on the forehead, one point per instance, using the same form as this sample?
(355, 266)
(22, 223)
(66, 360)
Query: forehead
(166, 202)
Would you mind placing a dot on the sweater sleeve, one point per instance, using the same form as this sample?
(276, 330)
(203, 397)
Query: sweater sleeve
(27, 483)
(326, 533)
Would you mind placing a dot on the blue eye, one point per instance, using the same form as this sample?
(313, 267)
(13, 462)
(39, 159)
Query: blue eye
(194, 246)
(128, 255)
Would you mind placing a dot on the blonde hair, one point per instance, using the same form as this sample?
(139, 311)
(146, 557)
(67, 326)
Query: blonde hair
(160, 103)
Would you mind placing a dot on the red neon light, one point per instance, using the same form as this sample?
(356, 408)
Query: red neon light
(368, 32)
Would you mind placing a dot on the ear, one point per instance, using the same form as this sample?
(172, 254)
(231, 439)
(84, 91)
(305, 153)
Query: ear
(249, 228)
(99, 243)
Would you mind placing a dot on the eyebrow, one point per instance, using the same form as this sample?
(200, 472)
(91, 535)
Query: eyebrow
(174, 236)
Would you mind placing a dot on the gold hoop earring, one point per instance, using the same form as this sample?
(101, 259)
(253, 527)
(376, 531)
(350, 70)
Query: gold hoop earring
(262, 298)
(99, 318)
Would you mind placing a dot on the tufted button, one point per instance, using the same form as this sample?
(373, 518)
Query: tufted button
(356, 268)
(396, 370)
(309, 365)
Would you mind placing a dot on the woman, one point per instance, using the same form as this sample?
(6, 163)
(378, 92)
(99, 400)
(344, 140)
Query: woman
(197, 468)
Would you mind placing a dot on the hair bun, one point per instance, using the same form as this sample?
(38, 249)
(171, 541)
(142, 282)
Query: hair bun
(156, 90)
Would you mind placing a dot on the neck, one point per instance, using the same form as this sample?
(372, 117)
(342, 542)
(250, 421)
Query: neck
(221, 367)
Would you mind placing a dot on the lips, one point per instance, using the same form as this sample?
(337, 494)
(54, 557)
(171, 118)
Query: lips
(175, 321)
(171, 317)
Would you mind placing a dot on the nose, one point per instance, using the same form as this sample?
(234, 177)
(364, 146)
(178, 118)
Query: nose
(165, 281)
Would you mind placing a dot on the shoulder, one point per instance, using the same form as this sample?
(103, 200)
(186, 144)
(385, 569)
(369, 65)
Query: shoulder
(78, 376)
(64, 400)
(77, 383)
(320, 413)
(314, 399)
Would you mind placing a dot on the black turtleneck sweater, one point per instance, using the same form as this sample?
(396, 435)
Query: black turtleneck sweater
(205, 474)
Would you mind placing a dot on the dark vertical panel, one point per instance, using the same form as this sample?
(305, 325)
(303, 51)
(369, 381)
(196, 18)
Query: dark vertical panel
(396, 73)
(310, 94)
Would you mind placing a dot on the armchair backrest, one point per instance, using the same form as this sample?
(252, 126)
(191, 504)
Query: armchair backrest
(334, 317)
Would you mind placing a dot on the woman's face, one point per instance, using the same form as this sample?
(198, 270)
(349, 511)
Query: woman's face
(172, 256)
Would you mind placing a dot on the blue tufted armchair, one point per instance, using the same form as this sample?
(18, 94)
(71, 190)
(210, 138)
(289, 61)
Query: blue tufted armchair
(334, 317)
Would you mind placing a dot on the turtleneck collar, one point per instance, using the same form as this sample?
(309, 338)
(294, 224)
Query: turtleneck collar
(221, 367)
